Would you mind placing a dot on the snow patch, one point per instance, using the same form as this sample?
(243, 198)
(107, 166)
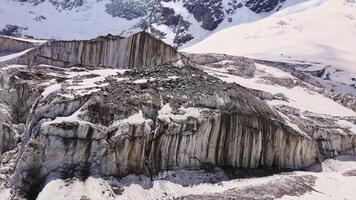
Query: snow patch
(166, 113)
(49, 90)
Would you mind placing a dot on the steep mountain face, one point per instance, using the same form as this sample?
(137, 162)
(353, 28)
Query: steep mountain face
(72, 19)
(70, 110)
(181, 21)
(177, 22)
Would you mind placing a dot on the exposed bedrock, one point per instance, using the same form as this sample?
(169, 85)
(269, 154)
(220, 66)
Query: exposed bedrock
(162, 118)
(138, 50)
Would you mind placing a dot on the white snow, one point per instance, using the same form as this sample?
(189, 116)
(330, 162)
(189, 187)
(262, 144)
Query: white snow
(330, 184)
(299, 97)
(239, 16)
(83, 86)
(92, 188)
(136, 118)
(316, 30)
(50, 89)
(166, 113)
(348, 125)
(35, 41)
(140, 81)
(90, 85)
(294, 126)
(85, 22)
(75, 117)
(179, 63)
(5, 194)
(332, 78)
(172, 77)
(101, 72)
(10, 67)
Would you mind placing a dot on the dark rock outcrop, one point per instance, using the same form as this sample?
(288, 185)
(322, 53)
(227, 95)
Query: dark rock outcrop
(259, 6)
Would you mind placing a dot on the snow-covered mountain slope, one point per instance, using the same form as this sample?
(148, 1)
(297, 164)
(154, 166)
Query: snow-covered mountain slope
(184, 23)
(320, 31)
(83, 19)
(177, 22)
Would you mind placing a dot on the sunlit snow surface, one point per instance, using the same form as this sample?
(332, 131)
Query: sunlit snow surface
(313, 31)
(239, 16)
(299, 97)
(85, 22)
(331, 184)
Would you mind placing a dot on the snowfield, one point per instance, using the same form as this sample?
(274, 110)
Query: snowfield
(298, 97)
(313, 31)
(85, 22)
(331, 183)
(240, 15)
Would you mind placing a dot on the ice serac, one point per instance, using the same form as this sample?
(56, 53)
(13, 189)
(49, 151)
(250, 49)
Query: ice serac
(8, 44)
(168, 118)
(334, 135)
(84, 119)
(138, 50)
(9, 131)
